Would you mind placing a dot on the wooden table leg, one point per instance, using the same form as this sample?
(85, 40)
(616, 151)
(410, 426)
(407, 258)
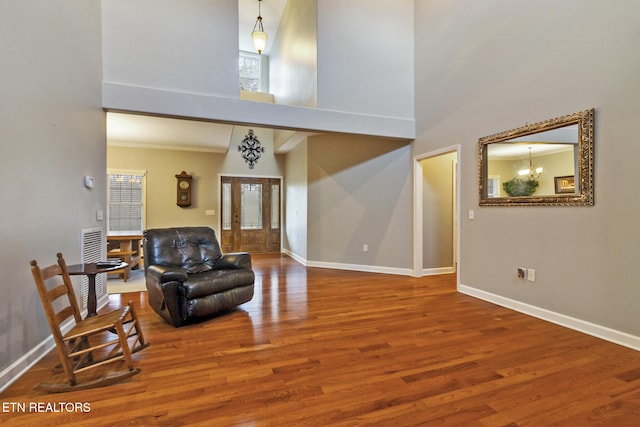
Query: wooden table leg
(92, 301)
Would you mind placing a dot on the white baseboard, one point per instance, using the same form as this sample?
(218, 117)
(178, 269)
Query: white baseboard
(438, 270)
(18, 368)
(295, 256)
(608, 334)
(351, 267)
(360, 267)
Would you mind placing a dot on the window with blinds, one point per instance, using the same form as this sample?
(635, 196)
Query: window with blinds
(125, 193)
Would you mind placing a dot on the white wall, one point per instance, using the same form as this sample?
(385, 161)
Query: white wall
(365, 56)
(485, 67)
(52, 132)
(293, 56)
(187, 46)
(181, 59)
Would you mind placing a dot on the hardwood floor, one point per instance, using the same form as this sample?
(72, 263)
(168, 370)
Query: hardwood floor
(318, 347)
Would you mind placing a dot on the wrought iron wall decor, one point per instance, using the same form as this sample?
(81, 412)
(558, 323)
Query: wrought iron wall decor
(250, 149)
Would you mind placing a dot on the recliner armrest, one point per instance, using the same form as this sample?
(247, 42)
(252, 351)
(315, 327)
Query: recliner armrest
(233, 260)
(164, 273)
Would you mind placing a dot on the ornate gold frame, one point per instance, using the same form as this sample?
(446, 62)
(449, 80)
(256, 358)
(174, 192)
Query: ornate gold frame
(585, 168)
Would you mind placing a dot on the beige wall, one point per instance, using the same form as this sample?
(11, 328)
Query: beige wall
(161, 166)
(438, 205)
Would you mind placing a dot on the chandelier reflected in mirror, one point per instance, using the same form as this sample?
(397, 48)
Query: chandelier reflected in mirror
(531, 173)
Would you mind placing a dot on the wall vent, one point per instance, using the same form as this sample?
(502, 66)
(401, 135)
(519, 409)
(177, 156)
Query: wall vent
(94, 249)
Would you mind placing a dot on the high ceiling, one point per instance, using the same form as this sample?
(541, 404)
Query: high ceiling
(136, 130)
(192, 135)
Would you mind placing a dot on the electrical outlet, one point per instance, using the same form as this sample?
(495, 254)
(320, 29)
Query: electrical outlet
(365, 248)
(522, 273)
(531, 275)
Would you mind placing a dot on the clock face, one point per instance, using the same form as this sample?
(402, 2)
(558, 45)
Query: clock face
(184, 184)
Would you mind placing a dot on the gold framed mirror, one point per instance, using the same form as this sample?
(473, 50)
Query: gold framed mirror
(543, 164)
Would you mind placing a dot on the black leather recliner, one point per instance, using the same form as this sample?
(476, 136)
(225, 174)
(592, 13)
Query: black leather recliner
(188, 277)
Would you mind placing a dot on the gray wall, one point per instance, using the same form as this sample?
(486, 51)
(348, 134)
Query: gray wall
(480, 67)
(165, 57)
(365, 56)
(490, 66)
(52, 134)
(295, 197)
(359, 192)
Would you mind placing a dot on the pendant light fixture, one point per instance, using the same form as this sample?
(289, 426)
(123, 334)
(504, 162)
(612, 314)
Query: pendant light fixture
(258, 35)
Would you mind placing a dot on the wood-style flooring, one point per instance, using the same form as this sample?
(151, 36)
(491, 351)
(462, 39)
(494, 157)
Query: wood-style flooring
(319, 347)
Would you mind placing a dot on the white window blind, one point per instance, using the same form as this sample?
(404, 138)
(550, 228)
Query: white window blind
(493, 186)
(125, 193)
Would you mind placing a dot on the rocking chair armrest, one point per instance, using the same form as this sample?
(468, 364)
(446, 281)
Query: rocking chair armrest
(165, 273)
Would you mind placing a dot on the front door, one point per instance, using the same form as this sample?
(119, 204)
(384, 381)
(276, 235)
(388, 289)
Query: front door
(250, 214)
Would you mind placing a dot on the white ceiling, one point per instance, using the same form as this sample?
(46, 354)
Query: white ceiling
(192, 135)
(136, 130)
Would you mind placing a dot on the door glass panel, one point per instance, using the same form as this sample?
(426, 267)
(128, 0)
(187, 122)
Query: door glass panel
(251, 206)
(275, 206)
(226, 206)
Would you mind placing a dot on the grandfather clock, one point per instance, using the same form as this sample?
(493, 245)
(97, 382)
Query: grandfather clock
(184, 189)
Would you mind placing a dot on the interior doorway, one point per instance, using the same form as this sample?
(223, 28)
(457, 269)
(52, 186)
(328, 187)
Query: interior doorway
(251, 218)
(436, 213)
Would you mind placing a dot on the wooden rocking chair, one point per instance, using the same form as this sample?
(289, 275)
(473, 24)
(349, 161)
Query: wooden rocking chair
(75, 351)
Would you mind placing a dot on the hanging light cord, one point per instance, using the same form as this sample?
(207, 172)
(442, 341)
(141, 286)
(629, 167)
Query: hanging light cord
(258, 23)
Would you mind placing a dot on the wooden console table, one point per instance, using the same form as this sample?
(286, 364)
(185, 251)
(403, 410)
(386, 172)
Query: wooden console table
(125, 245)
